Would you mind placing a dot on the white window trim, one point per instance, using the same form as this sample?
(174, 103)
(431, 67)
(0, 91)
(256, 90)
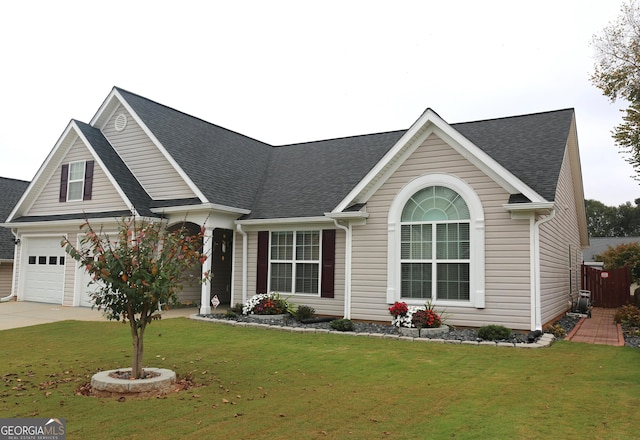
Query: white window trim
(476, 237)
(69, 181)
(294, 261)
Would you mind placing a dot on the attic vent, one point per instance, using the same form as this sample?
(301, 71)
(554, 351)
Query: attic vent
(120, 122)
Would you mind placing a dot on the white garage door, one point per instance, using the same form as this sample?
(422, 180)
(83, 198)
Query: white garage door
(44, 269)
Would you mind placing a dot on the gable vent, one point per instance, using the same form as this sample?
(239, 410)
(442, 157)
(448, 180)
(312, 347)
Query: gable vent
(120, 122)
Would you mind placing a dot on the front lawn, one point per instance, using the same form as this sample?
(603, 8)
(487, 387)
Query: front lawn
(259, 384)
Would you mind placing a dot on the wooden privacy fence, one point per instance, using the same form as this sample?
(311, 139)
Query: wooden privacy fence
(609, 288)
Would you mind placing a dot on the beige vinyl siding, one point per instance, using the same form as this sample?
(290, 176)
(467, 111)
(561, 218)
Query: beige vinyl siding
(104, 196)
(323, 306)
(507, 258)
(559, 243)
(6, 272)
(152, 169)
(70, 273)
(192, 294)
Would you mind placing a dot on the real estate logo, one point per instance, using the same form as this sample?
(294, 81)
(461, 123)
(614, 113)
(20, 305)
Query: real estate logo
(33, 429)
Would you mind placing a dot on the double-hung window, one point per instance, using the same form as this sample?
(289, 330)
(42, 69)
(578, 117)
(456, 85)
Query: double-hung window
(76, 181)
(295, 262)
(435, 246)
(75, 188)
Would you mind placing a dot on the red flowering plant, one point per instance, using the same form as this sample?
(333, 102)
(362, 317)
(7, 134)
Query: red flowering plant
(413, 316)
(426, 319)
(398, 309)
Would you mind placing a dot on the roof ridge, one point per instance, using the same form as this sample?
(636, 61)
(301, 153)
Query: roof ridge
(120, 89)
(516, 116)
(341, 137)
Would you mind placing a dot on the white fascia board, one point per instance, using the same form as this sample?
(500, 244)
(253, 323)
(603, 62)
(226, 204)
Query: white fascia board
(529, 210)
(201, 208)
(115, 94)
(534, 206)
(106, 171)
(430, 122)
(347, 215)
(46, 171)
(51, 224)
(284, 221)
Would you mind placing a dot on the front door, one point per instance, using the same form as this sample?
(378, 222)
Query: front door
(221, 265)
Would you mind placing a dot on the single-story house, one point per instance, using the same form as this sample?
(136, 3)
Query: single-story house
(484, 219)
(10, 192)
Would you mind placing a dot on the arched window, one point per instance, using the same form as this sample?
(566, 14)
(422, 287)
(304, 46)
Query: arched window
(434, 247)
(436, 243)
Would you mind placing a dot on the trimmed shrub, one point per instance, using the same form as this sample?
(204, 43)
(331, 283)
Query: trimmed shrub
(557, 330)
(494, 332)
(342, 325)
(237, 309)
(628, 315)
(304, 312)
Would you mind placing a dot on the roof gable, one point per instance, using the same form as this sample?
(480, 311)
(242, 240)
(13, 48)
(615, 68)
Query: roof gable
(226, 167)
(128, 189)
(538, 185)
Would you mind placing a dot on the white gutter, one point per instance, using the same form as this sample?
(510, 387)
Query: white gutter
(245, 253)
(536, 301)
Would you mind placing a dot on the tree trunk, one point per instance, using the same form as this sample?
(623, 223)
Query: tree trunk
(137, 336)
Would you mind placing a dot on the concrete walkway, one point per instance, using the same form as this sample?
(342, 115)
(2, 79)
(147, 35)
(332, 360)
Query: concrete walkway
(599, 329)
(14, 314)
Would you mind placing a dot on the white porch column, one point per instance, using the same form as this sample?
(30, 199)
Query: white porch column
(207, 249)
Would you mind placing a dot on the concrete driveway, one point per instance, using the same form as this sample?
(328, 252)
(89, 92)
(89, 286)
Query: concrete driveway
(14, 314)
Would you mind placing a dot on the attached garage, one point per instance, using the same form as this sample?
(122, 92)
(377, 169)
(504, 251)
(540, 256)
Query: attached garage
(43, 259)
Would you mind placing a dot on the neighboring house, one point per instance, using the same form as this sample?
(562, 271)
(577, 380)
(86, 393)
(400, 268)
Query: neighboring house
(597, 245)
(10, 192)
(486, 219)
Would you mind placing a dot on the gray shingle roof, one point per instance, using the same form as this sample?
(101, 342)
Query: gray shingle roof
(226, 166)
(598, 245)
(309, 179)
(312, 178)
(10, 192)
(530, 146)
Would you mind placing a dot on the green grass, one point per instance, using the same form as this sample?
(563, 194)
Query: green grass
(255, 383)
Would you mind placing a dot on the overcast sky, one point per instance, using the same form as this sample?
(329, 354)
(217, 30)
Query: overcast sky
(295, 71)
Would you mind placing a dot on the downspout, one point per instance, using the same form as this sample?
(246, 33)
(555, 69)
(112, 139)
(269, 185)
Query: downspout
(537, 292)
(245, 252)
(12, 295)
(347, 268)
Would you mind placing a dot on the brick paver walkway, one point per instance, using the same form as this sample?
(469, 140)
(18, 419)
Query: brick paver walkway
(599, 329)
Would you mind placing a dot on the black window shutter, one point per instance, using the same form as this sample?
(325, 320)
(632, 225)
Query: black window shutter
(64, 181)
(328, 263)
(263, 262)
(88, 180)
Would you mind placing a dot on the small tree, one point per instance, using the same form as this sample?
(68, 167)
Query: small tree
(144, 268)
(625, 254)
(617, 74)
